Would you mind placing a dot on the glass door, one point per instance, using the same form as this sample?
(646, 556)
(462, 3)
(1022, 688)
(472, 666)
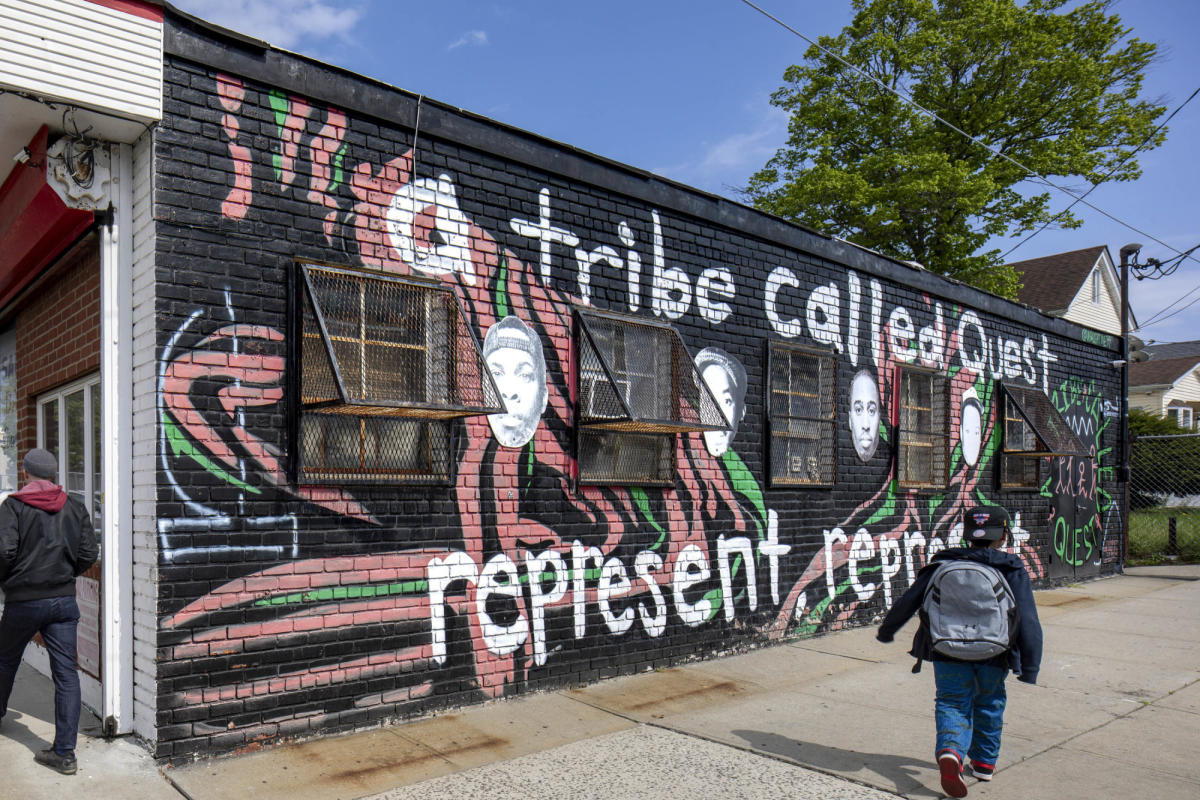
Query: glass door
(68, 426)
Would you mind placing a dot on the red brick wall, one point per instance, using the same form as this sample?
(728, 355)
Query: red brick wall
(58, 333)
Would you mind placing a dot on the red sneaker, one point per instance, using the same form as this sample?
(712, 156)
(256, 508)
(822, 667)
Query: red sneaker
(982, 771)
(950, 766)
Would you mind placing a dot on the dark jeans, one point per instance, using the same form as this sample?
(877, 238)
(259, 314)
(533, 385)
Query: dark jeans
(56, 619)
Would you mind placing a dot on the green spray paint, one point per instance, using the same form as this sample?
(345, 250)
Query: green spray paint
(180, 446)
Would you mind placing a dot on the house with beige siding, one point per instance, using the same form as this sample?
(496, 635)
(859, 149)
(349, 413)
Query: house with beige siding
(1082, 286)
(1167, 387)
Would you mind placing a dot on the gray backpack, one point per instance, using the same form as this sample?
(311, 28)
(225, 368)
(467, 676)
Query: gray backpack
(970, 611)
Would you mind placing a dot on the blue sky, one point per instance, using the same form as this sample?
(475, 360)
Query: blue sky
(681, 88)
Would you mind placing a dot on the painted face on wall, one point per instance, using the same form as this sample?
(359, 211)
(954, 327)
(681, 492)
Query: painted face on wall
(864, 414)
(725, 377)
(970, 431)
(514, 357)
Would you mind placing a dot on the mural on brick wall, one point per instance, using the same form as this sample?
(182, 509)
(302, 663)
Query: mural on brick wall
(386, 604)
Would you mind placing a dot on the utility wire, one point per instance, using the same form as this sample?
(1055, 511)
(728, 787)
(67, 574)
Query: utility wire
(1157, 319)
(1162, 270)
(907, 99)
(1132, 153)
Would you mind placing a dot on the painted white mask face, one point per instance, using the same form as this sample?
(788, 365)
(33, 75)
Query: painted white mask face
(427, 229)
(864, 416)
(516, 377)
(717, 380)
(970, 433)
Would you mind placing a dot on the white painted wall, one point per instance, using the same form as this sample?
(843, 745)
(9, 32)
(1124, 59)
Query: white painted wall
(144, 537)
(83, 53)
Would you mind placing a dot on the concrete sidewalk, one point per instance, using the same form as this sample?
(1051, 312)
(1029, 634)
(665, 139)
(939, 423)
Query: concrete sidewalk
(1116, 714)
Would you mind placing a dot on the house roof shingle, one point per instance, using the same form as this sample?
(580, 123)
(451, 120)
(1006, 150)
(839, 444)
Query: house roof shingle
(1051, 282)
(1164, 350)
(1160, 371)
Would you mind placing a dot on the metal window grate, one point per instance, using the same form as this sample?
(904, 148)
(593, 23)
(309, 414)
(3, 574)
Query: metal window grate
(923, 441)
(637, 376)
(1052, 432)
(381, 345)
(347, 448)
(1019, 469)
(623, 458)
(801, 417)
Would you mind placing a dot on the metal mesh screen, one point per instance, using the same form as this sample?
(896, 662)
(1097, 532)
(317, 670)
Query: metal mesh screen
(392, 344)
(1049, 426)
(1019, 471)
(654, 386)
(347, 448)
(921, 457)
(1164, 498)
(619, 457)
(801, 408)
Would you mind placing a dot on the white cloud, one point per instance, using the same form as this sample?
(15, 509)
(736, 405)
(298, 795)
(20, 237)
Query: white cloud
(283, 23)
(470, 38)
(730, 161)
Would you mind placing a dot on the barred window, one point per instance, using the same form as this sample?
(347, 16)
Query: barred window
(385, 364)
(1033, 430)
(1019, 469)
(801, 417)
(923, 439)
(638, 387)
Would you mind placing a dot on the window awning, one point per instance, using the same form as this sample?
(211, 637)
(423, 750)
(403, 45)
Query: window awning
(382, 345)
(1054, 434)
(636, 375)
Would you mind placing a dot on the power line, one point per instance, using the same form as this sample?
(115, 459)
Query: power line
(1134, 152)
(956, 129)
(1157, 319)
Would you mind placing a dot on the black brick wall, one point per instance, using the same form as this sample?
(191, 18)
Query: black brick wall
(286, 614)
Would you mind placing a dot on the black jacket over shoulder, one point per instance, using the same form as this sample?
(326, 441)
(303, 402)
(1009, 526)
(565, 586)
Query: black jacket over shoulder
(42, 552)
(1024, 658)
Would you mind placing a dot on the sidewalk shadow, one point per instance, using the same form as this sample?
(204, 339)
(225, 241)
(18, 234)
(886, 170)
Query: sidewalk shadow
(903, 772)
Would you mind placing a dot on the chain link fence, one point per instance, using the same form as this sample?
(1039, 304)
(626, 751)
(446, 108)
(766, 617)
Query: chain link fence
(1164, 499)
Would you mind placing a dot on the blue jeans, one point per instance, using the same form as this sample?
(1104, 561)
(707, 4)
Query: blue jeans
(970, 709)
(56, 619)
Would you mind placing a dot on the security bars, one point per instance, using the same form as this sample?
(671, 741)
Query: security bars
(638, 387)
(923, 442)
(1033, 430)
(801, 414)
(385, 364)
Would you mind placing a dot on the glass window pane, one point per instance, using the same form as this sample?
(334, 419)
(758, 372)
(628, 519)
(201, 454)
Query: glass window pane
(49, 426)
(97, 507)
(76, 477)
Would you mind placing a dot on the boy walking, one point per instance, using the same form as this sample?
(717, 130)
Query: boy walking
(977, 623)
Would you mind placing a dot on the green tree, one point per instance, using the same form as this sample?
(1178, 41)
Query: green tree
(1056, 90)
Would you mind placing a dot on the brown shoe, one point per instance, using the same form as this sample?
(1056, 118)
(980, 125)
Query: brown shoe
(64, 764)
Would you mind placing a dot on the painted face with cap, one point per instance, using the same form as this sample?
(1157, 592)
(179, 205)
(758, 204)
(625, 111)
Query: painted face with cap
(514, 358)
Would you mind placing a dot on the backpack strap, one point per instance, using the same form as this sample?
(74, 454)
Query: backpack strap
(916, 670)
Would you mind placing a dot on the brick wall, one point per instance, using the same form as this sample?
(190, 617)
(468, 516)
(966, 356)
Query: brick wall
(293, 610)
(58, 333)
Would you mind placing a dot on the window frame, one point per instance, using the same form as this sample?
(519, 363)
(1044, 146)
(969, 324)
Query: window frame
(93, 456)
(1176, 414)
(1097, 279)
(435, 433)
(1042, 429)
(629, 424)
(1012, 455)
(826, 358)
(939, 383)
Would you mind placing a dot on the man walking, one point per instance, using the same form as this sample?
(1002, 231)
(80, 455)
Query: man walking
(46, 541)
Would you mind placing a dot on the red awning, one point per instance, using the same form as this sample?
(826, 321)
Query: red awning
(36, 226)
